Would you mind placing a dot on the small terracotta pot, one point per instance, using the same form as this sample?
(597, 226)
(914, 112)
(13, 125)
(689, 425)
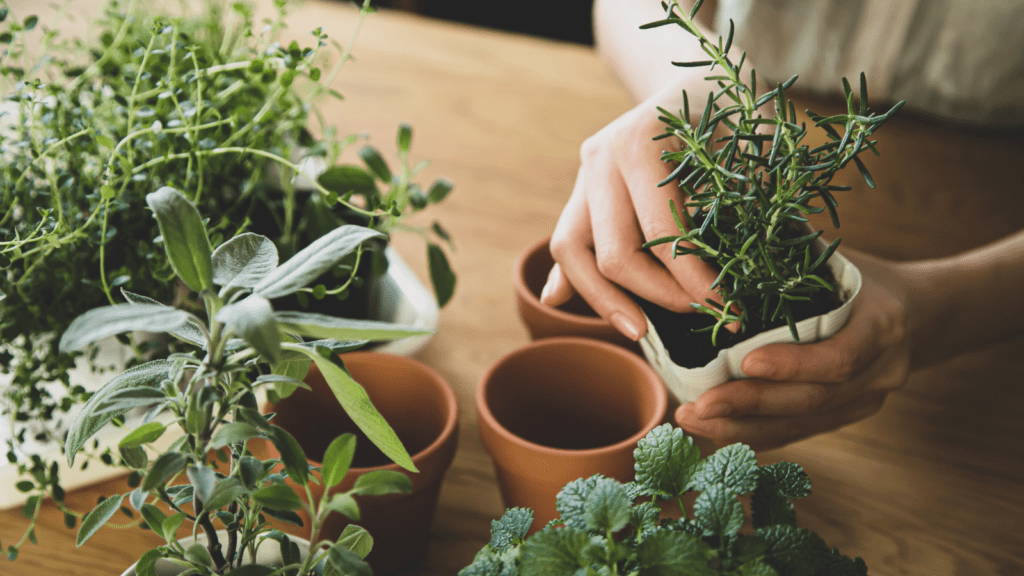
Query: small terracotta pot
(574, 318)
(421, 407)
(559, 409)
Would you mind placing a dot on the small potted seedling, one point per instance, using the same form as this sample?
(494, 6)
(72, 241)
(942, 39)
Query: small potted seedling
(750, 182)
(208, 476)
(609, 527)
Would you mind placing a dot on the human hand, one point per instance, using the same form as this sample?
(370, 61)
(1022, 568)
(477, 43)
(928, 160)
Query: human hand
(799, 390)
(617, 205)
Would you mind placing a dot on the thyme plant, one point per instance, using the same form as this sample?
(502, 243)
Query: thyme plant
(605, 528)
(211, 103)
(209, 397)
(749, 191)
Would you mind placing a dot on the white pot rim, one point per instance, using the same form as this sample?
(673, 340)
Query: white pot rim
(687, 384)
(266, 555)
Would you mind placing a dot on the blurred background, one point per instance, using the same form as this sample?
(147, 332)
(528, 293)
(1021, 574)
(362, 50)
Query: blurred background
(568, 20)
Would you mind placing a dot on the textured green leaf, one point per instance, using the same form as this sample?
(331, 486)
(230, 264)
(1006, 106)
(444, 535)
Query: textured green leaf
(644, 516)
(278, 497)
(253, 320)
(671, 553)
(441, 275)
(404, 137)
(87, 422)
(666, 460)
(173, 522)
(314, 260)
(757, 568)
(337, 460)
(768, 506)
(510, 528)
(571, 501)
(155, 518)
(360, 409)
(99, 515)
(244, 260)
(356, 539)
(789, 478)
(146, 566)
(718, 511)
(184, 234)
(794, 551)
(134, 457)
(380, 482)
(144, 434)
(342, 329)
(607, 508)
(198, 554)
(252, 570)
(165, 467)
(553, 551)
(733, 466)
(99, 323)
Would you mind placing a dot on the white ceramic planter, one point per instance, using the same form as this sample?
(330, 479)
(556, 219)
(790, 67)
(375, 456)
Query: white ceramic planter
(268, 554)
(689, 383)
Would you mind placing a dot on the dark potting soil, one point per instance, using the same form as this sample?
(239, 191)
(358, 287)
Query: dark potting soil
(691, 349)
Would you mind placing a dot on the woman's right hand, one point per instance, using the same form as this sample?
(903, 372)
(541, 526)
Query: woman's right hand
(616, 206)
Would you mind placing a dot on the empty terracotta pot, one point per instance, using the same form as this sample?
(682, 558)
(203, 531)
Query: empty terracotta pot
(559, 409)
(421, 407)
(574, 318)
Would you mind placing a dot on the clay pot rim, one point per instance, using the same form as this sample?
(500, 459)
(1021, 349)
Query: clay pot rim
(519, 281)
(485, 416)
(451, 402)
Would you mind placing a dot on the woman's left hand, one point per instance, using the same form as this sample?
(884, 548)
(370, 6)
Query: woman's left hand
(799, 390)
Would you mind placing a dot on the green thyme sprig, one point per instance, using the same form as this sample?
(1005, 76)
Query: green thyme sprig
(750, 190)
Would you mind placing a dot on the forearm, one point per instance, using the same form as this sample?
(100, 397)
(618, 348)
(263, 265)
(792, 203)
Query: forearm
(643, 58)
(966, 302)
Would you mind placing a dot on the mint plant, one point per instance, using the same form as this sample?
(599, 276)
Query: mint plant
(604, 529)
(244, 345)
(749, 191)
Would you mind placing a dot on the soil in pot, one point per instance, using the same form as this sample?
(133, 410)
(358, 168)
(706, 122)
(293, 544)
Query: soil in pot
(691, 349)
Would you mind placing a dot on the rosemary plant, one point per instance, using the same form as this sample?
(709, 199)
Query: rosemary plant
(208, 102)
(749, 191)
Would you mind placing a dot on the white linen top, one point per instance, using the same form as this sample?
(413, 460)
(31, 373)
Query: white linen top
(961, 60)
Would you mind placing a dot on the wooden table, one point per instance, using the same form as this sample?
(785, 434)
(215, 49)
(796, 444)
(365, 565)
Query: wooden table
(931, 486)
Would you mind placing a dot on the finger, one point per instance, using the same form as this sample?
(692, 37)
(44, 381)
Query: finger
(766, 432)
(642, 170)
(618, 241)
(768, 398)
(835, 359)
(557, 290)
(572, 249)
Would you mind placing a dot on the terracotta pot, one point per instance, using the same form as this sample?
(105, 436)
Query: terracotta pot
(422, 409)
(559, 409)
(268, 554)
(574, 318)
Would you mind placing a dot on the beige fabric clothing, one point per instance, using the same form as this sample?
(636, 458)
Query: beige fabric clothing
(961, 60)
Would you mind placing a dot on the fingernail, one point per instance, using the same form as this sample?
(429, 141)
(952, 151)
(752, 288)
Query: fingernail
(760, 368)
(544, 292)
(716, 410)
(623, 324)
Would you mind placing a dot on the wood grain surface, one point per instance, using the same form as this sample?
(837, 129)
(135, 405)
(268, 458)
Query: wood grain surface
(931, 486)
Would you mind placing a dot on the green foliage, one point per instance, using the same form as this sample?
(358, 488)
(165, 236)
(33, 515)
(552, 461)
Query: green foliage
(211, 400)
(202, 99)
(606, 532)
(749, 191)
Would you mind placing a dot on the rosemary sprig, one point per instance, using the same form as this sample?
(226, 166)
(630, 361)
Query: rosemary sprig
(750, 191)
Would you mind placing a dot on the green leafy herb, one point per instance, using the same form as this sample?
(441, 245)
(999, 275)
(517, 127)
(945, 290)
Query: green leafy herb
(606, 532)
